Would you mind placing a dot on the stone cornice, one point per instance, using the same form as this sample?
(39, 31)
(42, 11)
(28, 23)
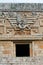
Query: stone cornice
(21, 37)
(21, 6)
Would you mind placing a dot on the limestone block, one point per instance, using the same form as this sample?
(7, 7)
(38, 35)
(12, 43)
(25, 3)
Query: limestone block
(1, 29)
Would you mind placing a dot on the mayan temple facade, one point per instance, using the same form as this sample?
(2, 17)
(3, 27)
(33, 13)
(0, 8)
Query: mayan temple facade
(21, 34)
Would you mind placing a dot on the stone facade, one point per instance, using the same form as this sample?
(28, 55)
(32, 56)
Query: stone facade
(21, 26)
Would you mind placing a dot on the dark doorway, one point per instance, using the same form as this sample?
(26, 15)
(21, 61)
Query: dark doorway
(22, 50)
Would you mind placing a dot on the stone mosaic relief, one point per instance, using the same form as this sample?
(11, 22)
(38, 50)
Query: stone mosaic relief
(20, 23)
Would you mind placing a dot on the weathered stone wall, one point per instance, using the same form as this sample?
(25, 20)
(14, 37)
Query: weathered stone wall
(21, 22)
(38, 48)
(8, 48)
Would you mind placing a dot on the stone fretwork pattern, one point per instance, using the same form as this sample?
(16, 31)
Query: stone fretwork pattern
(21, 24)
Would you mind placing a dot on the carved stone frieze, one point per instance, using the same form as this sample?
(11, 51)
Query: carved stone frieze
(21, 22)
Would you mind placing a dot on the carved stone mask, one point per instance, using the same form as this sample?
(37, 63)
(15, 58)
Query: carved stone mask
(21, 24)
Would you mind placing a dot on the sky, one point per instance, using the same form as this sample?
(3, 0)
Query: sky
(21, 1)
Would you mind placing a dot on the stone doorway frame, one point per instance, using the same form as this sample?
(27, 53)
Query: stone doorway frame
(23, 42)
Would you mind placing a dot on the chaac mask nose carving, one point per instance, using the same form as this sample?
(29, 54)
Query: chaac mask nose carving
(21, 24)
